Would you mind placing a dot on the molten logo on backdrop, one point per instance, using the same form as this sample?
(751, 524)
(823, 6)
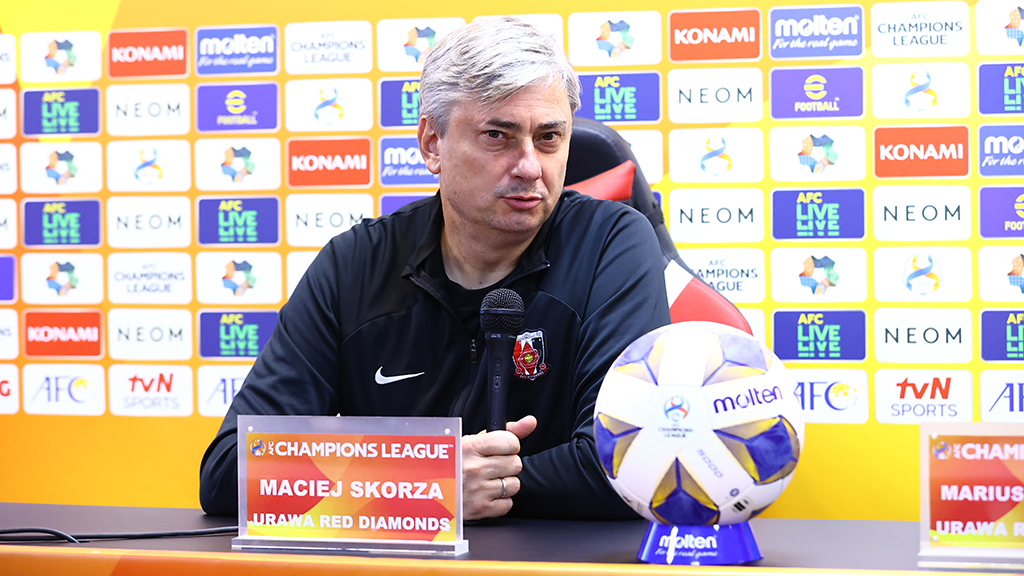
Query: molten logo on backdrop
(714, 35)
(148, 53)
(921, 151)
(64, 333)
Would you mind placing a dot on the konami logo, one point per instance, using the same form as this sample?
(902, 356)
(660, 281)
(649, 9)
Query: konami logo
(714, 35)
(922, 151)
(64, 333)
(141, 53)
(329, 163)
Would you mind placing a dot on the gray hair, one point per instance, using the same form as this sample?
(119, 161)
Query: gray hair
(489, 60)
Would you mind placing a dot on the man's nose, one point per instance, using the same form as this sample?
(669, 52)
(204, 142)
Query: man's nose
(527, 165)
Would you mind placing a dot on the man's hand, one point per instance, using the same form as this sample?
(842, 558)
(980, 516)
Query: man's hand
(487, 458)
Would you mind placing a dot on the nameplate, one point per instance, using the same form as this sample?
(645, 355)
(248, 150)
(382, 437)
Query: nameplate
(350, 485)
(972, 496)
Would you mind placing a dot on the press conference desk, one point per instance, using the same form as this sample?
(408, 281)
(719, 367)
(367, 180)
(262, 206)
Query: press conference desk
(504, 547)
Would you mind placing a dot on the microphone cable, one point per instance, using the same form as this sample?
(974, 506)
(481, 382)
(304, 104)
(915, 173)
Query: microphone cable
(13, 535)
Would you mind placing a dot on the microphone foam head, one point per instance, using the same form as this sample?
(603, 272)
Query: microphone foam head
(501, 312)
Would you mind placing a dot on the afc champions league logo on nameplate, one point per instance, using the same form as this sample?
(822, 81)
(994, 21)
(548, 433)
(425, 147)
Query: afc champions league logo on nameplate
(257, 448)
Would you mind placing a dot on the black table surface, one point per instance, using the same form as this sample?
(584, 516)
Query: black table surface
(785, 543)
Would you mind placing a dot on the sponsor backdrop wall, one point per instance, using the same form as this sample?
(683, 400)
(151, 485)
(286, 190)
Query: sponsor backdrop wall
(850, 175)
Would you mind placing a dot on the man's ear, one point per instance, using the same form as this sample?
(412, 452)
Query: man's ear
(429, 140)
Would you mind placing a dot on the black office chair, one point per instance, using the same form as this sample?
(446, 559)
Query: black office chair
(597, 150)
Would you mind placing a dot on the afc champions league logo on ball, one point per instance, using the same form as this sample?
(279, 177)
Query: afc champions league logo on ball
(676, 409)
(257, 448)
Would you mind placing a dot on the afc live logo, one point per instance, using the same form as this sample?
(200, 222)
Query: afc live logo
(147, 53)
(921, 151)
(820, 335)
(329, 163)
(58, 112)
(400, 103)
(234, 335)
(621, 97)
(714, 35)
(239, 220)
(1000, 88)
(57, 224)
(1002, 335)
(71, 333)
(805, 214)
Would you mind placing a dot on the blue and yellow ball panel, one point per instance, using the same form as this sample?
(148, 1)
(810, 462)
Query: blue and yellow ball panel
(678, 499)
(642, 358)
(612, 439)
(734, 356)
(767, 449)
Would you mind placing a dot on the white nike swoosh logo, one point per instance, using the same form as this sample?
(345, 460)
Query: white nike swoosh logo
(381, 379)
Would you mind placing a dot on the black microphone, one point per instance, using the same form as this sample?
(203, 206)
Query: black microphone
(501, 317)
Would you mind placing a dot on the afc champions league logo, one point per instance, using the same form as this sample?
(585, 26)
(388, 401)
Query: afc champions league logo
(676, 408)
(940, 450)
(257, 448)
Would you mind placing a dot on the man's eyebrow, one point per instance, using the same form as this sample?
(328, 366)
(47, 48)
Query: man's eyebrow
(506, 124)
(544, 127)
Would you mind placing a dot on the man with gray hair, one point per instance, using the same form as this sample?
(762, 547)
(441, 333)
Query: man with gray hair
(386, 320)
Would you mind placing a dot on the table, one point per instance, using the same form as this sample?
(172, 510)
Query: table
(499, 547)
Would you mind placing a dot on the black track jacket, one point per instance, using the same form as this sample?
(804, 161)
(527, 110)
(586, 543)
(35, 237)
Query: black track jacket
(592, 282)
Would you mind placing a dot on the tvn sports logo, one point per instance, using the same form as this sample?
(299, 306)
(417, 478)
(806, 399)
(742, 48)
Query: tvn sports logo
(157, 53)
(702, 35)
(919, 396)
